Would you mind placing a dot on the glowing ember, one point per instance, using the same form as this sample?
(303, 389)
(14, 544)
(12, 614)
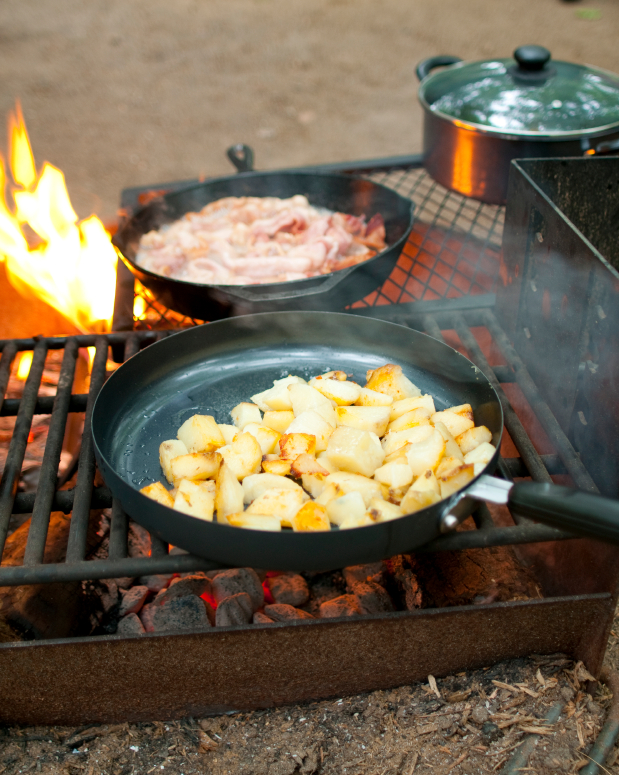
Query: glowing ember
(23, 369)
(72, 266)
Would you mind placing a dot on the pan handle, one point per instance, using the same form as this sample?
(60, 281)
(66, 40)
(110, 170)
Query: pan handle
(242, 156)
(443, 60)
(579, 512)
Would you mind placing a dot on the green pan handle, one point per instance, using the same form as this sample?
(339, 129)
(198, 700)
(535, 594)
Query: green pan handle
(579, 512)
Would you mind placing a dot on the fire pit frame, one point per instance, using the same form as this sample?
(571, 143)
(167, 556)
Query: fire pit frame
(114, 678)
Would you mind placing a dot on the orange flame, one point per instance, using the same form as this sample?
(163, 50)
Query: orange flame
(72, 266)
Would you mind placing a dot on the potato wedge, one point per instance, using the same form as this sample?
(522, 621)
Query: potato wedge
(349, 505)
(455, 423)
(313, 424)
(276, 398)
(395, 475)
(307, 464)
(245, 413)
(255, 521)
(344, 393)
(456, 479)
(369, 397)
(196, 499)
(278, 421)
(311, 516)
(282, 503)
(382, 511)
(354, 450)
(157, 492)
(419, 416)
(256, 485)
(415, 500)
(229, 493)
(276, 466)
(201, 433)
(405, 405)
(390, 379)
(195, 466)
(472, 438)
(364, 418)
(291, 445)
(305, 398)
(266, 437)
(168, 450)
(243, 456)
(426, 454)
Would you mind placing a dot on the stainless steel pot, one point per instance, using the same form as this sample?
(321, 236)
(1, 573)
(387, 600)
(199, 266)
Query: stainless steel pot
(481, 115)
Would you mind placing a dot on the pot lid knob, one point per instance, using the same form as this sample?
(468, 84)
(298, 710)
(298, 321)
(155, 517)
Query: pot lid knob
(531, 58)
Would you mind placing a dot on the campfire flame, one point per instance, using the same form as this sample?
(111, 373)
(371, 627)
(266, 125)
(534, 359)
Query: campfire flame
(68, 264)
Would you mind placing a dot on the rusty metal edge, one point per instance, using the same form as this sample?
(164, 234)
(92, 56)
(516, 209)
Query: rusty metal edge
(161, 676)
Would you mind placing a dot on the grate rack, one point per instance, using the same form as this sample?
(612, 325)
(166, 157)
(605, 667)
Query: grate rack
(465, 316)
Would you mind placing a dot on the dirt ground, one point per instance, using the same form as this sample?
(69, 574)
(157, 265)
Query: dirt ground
(127, 92)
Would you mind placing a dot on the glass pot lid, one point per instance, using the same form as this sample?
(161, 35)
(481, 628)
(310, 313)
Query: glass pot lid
(528, 95)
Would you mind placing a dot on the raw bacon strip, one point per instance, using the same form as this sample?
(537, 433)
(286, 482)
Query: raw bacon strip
(252, 240)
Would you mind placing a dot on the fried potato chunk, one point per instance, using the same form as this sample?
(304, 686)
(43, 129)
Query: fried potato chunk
(194, 466)
(196, 499)
(305, 398)
(255, 521)
(364, 418)
(245, 413)
(282, 503)
(201, 433)
(426, 454)
(426, 481)
(276, 465)
(312, 424)
(157, 492)
(454, 422)
(243, 456)
(405, 405)
(393, 440)
(228, 494)
(481, 454)
(419, 416)
(349, 505)
(311, 516)
(276, 398)
(229, 432)
(343, 393)
(278, 421)
(266, 437)
(257, 484)
(395, 475)
(292, 445)
(415, 500)
(369, 397)
(354, 450)
(307, 464)
(382, 511)
(456, 479)
(390, 379)
(168, 450)
(472, 438)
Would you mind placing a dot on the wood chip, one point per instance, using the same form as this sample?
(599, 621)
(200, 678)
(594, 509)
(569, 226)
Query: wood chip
(509, 687)
(537, 730)
(456, 762)
(433, 686)
(540, 678)
(425, 730)
(411, 767)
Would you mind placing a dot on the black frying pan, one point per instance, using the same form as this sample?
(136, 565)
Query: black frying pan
(343, 193)
(209, 369)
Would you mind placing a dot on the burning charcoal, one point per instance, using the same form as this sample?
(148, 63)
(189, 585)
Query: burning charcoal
(479, 715)
(356, 573)
(372, 598)
(130, 625)
(234, 610)
(196, 584)
(345, 605)
(125, 582)
(260, 618)
(156, 582)
(139, 541)
(146, 617)
(109, 595)
(291, 589)
(280, 612)
(407, 588)
(132, 600)
(182, 613)
(231, 582)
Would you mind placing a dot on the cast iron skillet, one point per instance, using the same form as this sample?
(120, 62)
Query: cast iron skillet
(209, 369)
(344, 193)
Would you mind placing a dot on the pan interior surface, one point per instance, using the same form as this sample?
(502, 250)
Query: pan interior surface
(209, 369)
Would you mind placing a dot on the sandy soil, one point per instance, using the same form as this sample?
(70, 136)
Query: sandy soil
(144, 91)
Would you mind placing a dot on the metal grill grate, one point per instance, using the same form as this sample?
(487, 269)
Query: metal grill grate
(468, 323)
(453, 250)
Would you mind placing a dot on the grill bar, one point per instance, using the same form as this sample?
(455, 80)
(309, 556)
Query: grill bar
(19, 440)
(41, 511)
(78, 532)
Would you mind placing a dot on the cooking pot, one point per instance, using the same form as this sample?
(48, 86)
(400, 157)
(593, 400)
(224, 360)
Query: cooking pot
(209, 369)
(343, 193)
(480, 115)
